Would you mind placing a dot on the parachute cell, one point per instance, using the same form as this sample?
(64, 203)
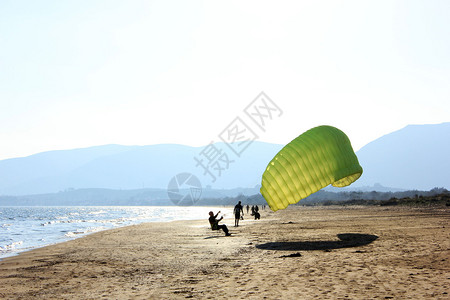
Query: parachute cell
(321, 156)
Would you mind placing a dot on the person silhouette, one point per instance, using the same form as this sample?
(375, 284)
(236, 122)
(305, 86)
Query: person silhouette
(237, 213)
(255, 212)
(215, 223)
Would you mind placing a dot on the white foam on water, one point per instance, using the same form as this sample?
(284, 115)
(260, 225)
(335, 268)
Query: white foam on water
(25, 228)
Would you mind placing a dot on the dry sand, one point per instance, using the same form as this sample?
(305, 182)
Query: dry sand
(298, 253)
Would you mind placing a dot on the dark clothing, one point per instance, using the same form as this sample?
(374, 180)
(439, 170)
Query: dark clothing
(223, 227)
(237, 211)
(215, 224)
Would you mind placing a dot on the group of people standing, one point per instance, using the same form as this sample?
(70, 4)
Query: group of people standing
(238, 215)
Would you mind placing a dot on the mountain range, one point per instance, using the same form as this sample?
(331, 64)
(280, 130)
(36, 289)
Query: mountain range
(415, 157)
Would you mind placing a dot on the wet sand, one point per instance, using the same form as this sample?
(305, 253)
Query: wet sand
(298, 253)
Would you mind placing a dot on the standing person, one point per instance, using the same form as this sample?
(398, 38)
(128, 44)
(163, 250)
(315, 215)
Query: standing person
(248, 207)
(237, 213)
(256, 213)
(215, 223)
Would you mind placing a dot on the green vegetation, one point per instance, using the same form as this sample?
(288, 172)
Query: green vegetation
(434, 197)
(158, 197)
(436, 200)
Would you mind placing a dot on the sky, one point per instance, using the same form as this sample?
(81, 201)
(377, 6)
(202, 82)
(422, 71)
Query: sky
(76, 74)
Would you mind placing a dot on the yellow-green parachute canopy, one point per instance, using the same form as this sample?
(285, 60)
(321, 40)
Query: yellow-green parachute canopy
(321, 156)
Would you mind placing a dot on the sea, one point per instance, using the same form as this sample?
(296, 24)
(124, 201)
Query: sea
(24, 228)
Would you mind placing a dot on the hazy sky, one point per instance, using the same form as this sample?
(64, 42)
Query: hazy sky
(83, 73)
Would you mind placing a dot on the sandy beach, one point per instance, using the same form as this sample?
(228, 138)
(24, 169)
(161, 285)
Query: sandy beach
(297, 253)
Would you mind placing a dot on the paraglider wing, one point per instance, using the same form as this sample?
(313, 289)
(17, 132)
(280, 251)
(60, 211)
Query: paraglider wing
(321, 156)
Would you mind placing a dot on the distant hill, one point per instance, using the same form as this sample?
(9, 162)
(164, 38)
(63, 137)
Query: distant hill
(130, 197)
(133, 167)
(415, 157)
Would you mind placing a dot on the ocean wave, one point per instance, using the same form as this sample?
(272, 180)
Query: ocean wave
(25, 228)
(10, 247)
(97, 212)
(65, 222)
(71, 234)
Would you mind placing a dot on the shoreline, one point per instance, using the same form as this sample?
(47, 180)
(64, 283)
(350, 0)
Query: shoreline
(301, 252)
(75, 234)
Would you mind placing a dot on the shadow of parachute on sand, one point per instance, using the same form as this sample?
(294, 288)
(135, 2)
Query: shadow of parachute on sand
(346, 240)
